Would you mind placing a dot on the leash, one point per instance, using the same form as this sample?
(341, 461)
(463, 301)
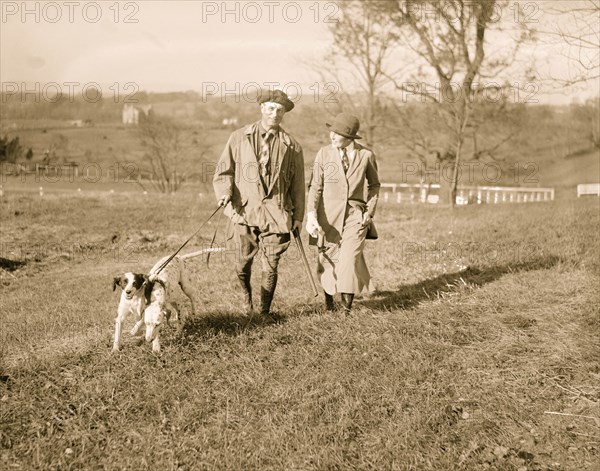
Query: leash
(167, 261)
(214, 237)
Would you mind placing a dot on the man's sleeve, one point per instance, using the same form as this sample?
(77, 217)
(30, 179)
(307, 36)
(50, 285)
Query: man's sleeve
(225, 172)
(298, 186)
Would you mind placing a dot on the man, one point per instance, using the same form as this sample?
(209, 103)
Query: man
(260, 182)
(342, 199)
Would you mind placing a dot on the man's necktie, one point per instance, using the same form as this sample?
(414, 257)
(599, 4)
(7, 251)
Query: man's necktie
(345, 161)
(265, 153)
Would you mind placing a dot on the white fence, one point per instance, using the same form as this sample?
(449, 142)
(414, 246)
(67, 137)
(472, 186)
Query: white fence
(588, 189)
(430, 193)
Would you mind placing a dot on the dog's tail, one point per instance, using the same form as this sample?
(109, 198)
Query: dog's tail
(201, 252)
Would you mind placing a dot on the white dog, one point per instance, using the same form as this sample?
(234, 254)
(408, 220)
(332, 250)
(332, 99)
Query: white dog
(132, 301)
(147, 296)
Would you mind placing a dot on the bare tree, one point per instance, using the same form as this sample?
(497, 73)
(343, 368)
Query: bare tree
(57, 149)
(429, 141)
(575, 26)
(449, 41)
(359, 60)
(167, 143)
(592, 107)
(10, 149)
(445, 50)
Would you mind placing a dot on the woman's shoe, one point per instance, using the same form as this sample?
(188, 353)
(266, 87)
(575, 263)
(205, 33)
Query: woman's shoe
(347, 299)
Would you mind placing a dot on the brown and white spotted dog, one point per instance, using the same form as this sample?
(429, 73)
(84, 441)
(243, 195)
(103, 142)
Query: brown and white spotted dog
(147, 296)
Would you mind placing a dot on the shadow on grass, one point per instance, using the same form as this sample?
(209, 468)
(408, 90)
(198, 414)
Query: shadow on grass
(410, 295)
(231, 324)
(11, 265)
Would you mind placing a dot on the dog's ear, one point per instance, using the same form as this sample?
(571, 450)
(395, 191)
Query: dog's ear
(116, 282)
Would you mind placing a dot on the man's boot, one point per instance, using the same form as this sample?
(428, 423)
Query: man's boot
(329, 305)
(347, 299)
(267, 290)
(244, 278)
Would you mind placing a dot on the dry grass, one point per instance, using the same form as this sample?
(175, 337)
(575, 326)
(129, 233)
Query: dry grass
(479, 350)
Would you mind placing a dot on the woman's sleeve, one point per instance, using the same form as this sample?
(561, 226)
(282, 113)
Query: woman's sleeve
(315, 187)
(373, 183)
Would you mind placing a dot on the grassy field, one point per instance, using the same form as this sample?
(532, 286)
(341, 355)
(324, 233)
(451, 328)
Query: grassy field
(479, 350)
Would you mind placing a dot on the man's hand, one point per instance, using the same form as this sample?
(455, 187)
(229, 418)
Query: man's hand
(297, 226)
(223, 200)
(312, 225)
(366, 219)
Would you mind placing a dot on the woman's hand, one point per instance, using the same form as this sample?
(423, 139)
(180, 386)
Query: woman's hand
(366, 219)
(312, 225)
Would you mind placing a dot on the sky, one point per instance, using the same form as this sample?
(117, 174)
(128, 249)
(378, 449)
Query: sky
(214, 47)
(163, 46)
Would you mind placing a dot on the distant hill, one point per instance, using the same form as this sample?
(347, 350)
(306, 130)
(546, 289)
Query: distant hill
(584, 167)
(552, 147)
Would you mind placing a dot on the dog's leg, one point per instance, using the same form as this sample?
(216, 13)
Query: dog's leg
(187, 286)
(135, 329)
(117, 334)
(153, 317)
(121, 313)
(172, 309)
(139, 311)
(156, 344)
(192, 303)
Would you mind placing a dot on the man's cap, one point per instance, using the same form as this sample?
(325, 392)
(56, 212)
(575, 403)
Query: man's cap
(345, 125)
(276, 96)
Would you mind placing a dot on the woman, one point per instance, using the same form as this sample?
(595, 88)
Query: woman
(342, 198)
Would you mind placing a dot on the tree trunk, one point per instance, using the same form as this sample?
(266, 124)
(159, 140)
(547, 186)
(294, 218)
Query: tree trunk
(454, 181)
